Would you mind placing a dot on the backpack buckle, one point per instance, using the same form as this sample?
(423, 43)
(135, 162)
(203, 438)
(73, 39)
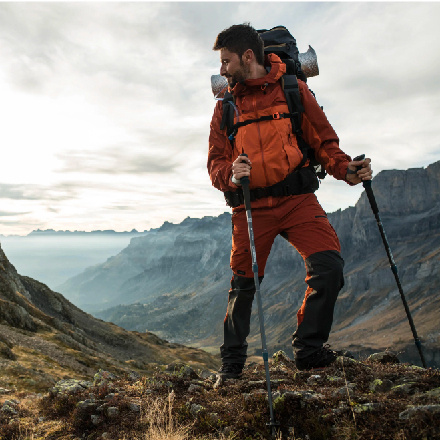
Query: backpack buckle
(276, 116)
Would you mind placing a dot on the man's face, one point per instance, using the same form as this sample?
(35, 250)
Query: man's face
(232, 67)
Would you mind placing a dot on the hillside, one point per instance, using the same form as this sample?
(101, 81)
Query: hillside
(375, 399)
(45, 338)
(174, 280)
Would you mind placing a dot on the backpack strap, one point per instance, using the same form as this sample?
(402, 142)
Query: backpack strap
(296, 109)
(291, 90)
(228, 115)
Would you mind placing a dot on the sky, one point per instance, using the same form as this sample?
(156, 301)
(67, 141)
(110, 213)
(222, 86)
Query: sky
(105, 107)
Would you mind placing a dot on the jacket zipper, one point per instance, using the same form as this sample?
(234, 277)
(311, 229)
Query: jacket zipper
(261, 143)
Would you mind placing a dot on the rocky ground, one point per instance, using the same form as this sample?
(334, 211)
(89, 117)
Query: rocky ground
(378, 399)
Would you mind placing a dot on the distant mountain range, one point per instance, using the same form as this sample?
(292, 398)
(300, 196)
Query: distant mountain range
(107, 231)
(52, 232)
(174, 280)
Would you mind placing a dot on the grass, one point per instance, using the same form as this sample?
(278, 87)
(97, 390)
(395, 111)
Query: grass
(167, 409)
(161, 422)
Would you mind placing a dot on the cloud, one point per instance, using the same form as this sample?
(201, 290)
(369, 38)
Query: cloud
(36, 192)
(116, 160)
(106, 106)
(12, 214)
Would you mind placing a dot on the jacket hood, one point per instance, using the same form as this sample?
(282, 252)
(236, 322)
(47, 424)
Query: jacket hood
(277, 70)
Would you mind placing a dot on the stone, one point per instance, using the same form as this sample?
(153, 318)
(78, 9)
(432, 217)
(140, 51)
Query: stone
(9, 408)
(384, 357)
(342, 361)
(195, 408)
(380, 385)
(103, 377)
(418, 410)
(434, 393)
(363, 407)
(292, 394)
(315, 379)
(69, 386)
(206, 374)
(112, 411)
(96, 420)
(344, 391)
(134, 407)
(195, 389)
(86, 405)
(213, 418)
(187, 372)
(335, 379)
(134, 376)
(404, 389)
(181, 370)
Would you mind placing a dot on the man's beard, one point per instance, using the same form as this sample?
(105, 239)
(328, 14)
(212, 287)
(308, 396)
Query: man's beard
(239, 76)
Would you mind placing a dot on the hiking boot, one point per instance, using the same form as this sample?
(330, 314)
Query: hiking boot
(228, 371)
(319, 359)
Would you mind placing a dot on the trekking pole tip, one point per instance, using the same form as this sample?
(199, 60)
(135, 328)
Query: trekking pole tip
(273, 428)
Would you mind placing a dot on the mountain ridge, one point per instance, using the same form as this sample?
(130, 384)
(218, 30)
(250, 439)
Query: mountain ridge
(174, 280)
(45, 338)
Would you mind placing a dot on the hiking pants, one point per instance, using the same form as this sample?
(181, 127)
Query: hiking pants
(302, 221)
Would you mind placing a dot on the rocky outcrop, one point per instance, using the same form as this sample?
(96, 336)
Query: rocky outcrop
(44, 337)
(174, 280)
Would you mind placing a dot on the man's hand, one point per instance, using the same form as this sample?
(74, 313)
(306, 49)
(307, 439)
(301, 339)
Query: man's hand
(241, 167)
(365, 173)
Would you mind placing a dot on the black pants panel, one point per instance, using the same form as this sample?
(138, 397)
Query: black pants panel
(237, 320)
(325, 278)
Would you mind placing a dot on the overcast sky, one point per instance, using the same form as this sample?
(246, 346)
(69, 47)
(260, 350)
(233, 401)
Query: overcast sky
(105, 107)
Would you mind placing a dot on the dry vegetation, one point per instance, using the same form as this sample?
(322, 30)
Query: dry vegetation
(349, 400)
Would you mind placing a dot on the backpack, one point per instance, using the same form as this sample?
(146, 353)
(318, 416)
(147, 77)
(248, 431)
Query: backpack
(279, 41)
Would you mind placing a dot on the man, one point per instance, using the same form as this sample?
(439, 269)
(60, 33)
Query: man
(273, 155)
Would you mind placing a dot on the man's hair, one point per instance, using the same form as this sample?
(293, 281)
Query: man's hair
(239, 38)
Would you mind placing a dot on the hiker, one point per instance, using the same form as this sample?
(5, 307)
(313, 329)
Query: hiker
(272, 155)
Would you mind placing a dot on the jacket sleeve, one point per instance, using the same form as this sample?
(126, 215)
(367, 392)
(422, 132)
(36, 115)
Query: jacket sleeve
(320, 135)
(220, 154)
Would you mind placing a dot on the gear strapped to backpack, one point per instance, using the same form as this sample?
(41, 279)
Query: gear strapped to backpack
(279, 41)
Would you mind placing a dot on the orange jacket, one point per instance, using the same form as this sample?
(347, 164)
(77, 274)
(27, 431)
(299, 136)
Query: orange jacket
(271, 145)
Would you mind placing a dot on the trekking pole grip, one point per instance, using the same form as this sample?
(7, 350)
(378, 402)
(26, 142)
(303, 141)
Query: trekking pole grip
(244, 180)
(367, 185)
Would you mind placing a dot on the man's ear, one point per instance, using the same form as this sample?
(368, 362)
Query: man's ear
(248, 56)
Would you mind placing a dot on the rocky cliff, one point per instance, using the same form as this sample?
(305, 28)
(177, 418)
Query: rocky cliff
(173, 281)
(44, 338)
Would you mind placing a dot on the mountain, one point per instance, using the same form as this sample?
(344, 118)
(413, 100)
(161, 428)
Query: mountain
(54, 257)
(174, 280)
(53, 232)
(41, 232)
(45, 338)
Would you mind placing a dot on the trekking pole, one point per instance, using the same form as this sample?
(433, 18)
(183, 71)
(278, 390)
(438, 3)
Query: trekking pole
(367, 185)
(244, 181)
